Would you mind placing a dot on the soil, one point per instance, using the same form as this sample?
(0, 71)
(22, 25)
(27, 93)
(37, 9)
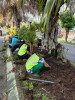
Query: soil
(62, 74)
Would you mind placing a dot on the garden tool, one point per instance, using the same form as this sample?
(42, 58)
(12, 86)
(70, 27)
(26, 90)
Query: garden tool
(41, 80)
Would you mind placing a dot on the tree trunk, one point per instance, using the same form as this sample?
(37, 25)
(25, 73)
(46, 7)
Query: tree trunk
(49, 40)
(17, 16)
(66, 36)
(4, 18)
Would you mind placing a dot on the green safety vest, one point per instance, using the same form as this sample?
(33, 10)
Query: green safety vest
(22, 50)
(32, 61)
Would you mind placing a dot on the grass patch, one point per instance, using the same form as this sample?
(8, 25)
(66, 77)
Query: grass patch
(73, 64)
(62, 41)
(2, 48)
(3, 58)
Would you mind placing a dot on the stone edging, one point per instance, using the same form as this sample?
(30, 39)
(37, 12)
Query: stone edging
(12, 91)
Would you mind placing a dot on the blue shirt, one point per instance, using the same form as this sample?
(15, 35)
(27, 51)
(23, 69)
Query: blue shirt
(14, 40)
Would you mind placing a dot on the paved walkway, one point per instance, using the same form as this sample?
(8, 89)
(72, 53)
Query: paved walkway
(2, 72)
(69, 52)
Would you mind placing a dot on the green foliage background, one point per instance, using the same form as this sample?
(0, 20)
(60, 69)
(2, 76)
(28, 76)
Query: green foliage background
(67, 20)
(27, 33)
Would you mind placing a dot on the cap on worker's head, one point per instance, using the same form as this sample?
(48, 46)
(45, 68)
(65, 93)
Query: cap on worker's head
(43, 51)
(23, 41)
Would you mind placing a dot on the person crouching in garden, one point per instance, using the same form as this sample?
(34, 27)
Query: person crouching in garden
(14, 40)
(36, 62)
(17, 46)
(24, 51)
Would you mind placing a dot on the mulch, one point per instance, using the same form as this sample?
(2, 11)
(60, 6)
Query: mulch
(63, 76)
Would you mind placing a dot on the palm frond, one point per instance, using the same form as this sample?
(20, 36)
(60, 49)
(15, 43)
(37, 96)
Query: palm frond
(68, 1)
(21, 3)
(40, 3)
(47, 12)
(58, 5)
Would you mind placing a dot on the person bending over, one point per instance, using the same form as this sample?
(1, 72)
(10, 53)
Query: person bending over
(14, 41)
(17, 46)
(24, 51)
(36, 62)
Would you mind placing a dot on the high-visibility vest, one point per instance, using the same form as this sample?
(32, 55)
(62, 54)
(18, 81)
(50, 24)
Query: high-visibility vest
(22, 50)
(32, 61)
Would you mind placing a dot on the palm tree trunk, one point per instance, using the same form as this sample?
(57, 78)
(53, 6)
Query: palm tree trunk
(17, 16)
(49, 40)
(4, 18)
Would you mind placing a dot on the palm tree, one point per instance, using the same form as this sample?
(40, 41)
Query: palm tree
(50, 9)
(49, 19)
(16, 8)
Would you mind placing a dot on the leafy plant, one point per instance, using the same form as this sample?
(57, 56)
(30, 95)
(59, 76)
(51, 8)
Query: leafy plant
(22, 32)
(32, 27)
(2, 48)
(3, 58)
(12, 31)
(30, 35)
(28, 86)
(37, 24)
(15, 57)
(9, 59)
(31, 86)
(44, 97)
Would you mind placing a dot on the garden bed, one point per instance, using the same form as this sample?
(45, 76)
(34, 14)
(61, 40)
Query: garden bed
(62, 74)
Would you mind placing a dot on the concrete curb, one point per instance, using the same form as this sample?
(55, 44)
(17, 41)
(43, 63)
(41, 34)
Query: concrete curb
(12, 91)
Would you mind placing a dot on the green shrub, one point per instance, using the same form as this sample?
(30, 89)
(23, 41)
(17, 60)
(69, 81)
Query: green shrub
(30, 35)
(22, 32)
(37, 25)
(26, 33)
(32, 27)
(24, 24)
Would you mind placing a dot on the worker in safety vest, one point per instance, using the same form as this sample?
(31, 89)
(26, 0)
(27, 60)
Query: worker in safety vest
(36, 62)
(24, 51)
(17, 46)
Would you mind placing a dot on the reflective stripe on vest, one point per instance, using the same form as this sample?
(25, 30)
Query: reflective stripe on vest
(32, 61)
(22, 50)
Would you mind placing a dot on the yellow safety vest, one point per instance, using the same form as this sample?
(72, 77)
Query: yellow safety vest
(32, 61)
(22, 50)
